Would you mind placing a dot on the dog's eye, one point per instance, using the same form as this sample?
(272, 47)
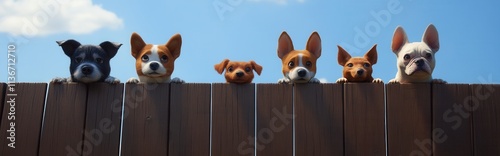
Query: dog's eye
(428, 56)
(407, 57)
(78, 59)
(99, 60)
(145, 58)
(367, 65)
(308, 63)
(291, 64)
(248, 69)
(350, 65)
(230, 69)
(164, 58)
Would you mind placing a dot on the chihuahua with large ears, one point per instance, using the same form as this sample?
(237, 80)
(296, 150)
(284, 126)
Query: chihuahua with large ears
(299, 66)
(89, 63)
(358, 69)
(155, 63)
(238, 72)
(416, 60)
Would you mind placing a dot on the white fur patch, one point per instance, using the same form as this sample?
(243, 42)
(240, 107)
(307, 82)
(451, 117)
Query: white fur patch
(153, 57)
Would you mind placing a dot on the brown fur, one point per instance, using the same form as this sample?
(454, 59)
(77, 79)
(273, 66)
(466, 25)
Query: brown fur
(354, 65)
(233, 67)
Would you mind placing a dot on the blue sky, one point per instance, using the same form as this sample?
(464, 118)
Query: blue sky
(249, 30)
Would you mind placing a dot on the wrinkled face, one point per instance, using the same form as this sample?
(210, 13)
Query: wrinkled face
(239, 72)
(299, 66)
(155, 61)
(89, 64)
(358, 69)
(416, 59)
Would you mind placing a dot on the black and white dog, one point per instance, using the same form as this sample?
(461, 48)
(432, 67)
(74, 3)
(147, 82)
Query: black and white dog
(89, 63)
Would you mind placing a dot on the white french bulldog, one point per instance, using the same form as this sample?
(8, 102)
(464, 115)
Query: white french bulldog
(416, 60)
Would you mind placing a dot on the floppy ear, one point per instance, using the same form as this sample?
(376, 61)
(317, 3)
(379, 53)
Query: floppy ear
(285, 45)
(371, 55)
(110, 47)
(343, 56)
(256, 67)
(431, 38)
(314, 44)
(137, 44)
(174, 45)
(69, 46)
(221, 66)
(399, 39)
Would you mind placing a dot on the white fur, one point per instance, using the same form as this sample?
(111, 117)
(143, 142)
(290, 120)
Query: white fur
(95, 76)
(153, 57)
(293, 75)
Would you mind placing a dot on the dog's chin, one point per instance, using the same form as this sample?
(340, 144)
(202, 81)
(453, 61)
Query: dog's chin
(301, 80)
(419, 72)
(154, 74)
(86, 79)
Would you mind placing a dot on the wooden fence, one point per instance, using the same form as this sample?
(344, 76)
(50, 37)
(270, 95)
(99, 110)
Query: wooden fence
(261, 119)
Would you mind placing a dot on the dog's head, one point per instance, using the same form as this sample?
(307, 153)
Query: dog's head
(238, 72)
(155, 61)
(89, 63)
(416, 59)
(299, 65)
(358, 69)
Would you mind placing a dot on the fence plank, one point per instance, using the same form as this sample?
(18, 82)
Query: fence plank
(409, 119)
(2, 94)
(364, 119)
(485, 105)
(26, 115)
(145, 119)
(189, 120)
(233, 119)
(274, 120)
(450, 129)
(103, 119)
(319, 119)
(64, 120)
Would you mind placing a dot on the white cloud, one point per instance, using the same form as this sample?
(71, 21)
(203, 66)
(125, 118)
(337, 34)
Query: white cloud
(323, 80)
(282, 2)
(32, 18)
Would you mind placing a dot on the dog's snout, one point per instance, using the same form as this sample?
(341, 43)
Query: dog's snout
(420, 63)
(154, 66)
(360, 71)
(240, 74)
(302, 72)
(87, 70)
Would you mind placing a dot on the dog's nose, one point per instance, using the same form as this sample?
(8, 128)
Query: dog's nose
(302, 72)
(87, 70)
(154, 66)
(420, 63)
(240, 74)
(360, 72)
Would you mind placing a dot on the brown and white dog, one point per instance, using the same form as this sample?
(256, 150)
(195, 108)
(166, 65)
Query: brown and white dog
(238, 72)
(155, 63)
(358, 69)
(299, 66)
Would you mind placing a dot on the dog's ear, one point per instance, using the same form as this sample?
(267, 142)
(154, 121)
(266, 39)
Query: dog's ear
(399, 39)
(431, 38)
(137, 44)
(256, 67)
(285, 45)
(343, 56)
(221, 66)
(174, 45)
(314, 44)
(371, 55)
(69, 46)
(110, 47)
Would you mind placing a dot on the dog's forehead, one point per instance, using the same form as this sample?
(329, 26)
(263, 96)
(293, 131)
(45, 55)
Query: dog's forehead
(238, 64)
(294, 55)
(89, 51)
(160, 49)
(417, 48)
(358, 60)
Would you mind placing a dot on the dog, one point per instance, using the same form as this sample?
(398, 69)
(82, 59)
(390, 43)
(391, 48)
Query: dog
(238, 72)
(155, 63)
(299, 66)
(415, 61)
(89, 63)
(358, 69)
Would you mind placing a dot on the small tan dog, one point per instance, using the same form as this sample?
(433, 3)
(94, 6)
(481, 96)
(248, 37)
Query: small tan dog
(238, 72)
(358, 69)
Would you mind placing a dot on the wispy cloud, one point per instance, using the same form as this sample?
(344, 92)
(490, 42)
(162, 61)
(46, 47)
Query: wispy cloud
(323, 80)
(39, 18)
(281, 2)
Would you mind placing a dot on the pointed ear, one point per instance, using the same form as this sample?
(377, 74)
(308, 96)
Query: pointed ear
(221, 66)
(399, 39)
(343, 56)
(256, 67)
(431, 38)
(371, 55)
(110, 47)
(314, 44)
(285, 45)
(137, 44)
(69, 46)
(174, 45)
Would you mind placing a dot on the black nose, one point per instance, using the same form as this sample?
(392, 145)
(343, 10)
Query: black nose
(420, 63)
(240, 74)
(154, 66)
(302, 72)
(87, 70)
(360, 72)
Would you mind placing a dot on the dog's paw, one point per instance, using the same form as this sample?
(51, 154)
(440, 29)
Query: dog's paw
(112, 80)
(177, 80)
(377, 80)
(284, 81)
(133, 80)
(438, 81)
(60, 80)
(394, 81)
(341, 80)
(314, 80)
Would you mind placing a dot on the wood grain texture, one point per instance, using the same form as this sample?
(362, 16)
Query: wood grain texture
(318, 119)
(233, 119)
(485, 106)
(26, 114)
(409, 119)
(451, 128)
(189, 120)
(274, 120)
(364, 119)
(146, 119)
(64, 120)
